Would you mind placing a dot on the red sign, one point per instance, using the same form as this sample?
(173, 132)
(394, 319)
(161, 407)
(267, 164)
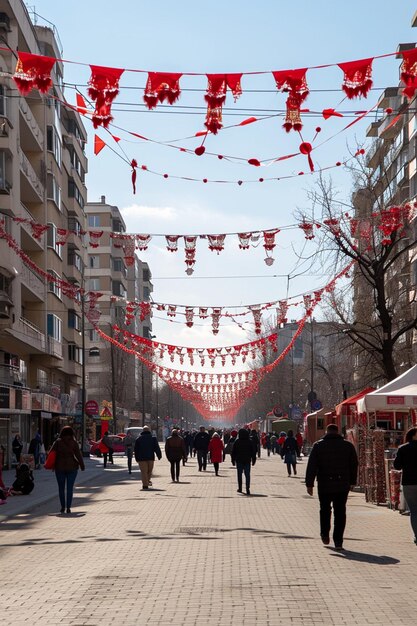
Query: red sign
(395, 399)
(105, 413)
(91, 407)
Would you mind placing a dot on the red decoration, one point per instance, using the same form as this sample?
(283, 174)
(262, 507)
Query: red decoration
(216, 242)
(269, 239)
(216, 97)
(306, 148)
(257, 318)
(409, 72)
(99, 144)
(161, 86)
(244, 239)
(172, 242)
(330, 113)
(133, 165)
(189, 316)
(294, 82)
(190, 242)
(33, 72)
(103, 89)
(308, 229)
(215, 317)
(95, 236)
(357, 79)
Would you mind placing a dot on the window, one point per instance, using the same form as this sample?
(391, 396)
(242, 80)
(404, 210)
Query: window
(118, 227)
(75, 226)
(52, 239)
(76, 163)
(3, 101)
(146, 333)
(94, 284)
(54, 327)
(74, 192)
(146, 275)
(320, 423)
(94, 220)
(42, 378)
(4, 183)
(94, 262)
(146, 294)
(75, 260)
(75, 353)
(118, 289)
(53, 190)
(93, 335)
(74, 320)
(119, 266)
(298, 348)
(53, 144)
(94, 352)
(54, 287)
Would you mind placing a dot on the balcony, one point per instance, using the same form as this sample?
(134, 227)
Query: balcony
(32, 283)
(31, 136)
(389, 128)
(373, 155)
(54, 348)
(32, 189)
(28, 241)
(10, 375)
(31, 335)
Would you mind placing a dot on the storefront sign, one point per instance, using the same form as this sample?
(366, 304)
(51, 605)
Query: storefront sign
(91, 407)
(395, 399)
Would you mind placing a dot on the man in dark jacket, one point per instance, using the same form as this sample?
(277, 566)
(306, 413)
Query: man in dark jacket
(146, 446)
(201, 442)
(333, 461)
(243, 453)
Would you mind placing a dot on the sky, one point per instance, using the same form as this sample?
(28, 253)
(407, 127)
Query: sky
(233, 36)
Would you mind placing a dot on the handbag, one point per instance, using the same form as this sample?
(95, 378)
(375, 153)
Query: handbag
(50, 460)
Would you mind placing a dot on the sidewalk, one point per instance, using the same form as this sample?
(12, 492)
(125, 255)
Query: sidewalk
(45, 487)
(197, 552)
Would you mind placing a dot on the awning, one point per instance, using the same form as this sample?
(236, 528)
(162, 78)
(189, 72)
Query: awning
(399, 394)
(352, 400)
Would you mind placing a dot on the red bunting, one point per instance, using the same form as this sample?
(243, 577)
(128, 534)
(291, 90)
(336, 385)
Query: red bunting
(409, 72)
(33, 71)
(294, 82)
(160, 87)
(357, 79)
(103, 89)
(216, 97)
(99, 144)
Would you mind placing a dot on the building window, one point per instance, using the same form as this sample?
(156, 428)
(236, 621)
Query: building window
(41, 378)
(94, 262)
(53, 190)
(94, 221)
(75, 226)
(146, 332)
(94, 284)
(53, 287)
(146, 294)
(118, 227)
(94, 352)
(54, 327)
(118, 289)
(74, 320)
(53, 144)
(146, 275)
(75, 353)
(3, 101)
(52, 239)
(75, 260)
(93, 335)
(74, 192)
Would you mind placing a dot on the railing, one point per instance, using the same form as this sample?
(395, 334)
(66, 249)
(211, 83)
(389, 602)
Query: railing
(31, 121)
(32, 281)
(32, 331)
(9, 374)
(30, 174)
(54, 348)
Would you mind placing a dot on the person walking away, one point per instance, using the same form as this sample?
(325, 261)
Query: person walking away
(24, 484)
(300, 441)
(201, 442)
(229, 446)
(35, 448)
(68, 460)
(273, 440)
(188, 439)
(146, 446)
(129, 442)
(406, 460)
(226, 438)
(216, 447)
(268, 443)
(281, 441)
(243, 454)
(290, 452)
(334, 462)
(175, 451)
(256, 441)
(17, 447)
(106, 448)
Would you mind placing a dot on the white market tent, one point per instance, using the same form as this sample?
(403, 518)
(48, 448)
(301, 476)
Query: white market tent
(399, 394)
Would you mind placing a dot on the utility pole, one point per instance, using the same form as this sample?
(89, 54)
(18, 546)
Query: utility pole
(143, 397)
(157, 404)
(311, 355)
(83, 389)
(113, 382)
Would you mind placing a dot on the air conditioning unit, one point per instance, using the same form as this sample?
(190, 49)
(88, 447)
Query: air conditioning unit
(5, 22)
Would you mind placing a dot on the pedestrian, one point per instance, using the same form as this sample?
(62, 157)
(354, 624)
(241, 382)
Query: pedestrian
(17, 447)
(290, 452)
(300, 441)
(23, 484)
(268, 443)
(129, 442)
(229, 445)
(226, 437)
(243, 454)
(35, 448)
(406, 460)
(67, 462)
(201, 442)
(256, 441)
(146, 446)
(175, 451)
(106, 448)
(273, 443)
(188, 439)
(333, 461)
(216, 447)
(281, 441)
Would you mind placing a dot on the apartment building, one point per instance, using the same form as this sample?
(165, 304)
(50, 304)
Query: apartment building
(113, 377)
(42, 178)
(392, 164)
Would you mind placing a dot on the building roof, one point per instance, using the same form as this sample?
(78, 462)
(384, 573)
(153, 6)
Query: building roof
(352, 400)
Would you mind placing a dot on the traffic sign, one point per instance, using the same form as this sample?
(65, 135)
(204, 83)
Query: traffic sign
(106, 413)
(316, 405)
(91, 407)
(311, 396)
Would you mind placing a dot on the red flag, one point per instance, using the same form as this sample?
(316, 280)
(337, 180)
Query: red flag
(98, 144)
(81, 105)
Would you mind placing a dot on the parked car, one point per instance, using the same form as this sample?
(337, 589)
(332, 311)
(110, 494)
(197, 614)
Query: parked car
(133, 431)
(117, 445)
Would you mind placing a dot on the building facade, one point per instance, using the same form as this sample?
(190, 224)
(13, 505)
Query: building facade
(42, 179)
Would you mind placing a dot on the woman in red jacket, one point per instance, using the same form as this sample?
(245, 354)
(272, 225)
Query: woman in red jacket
(215, 448)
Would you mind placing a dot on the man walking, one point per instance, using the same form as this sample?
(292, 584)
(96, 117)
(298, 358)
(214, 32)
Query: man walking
(146, 446)
(333, 461)
(201, 443)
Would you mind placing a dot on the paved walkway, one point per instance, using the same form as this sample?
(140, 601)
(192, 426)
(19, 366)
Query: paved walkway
(199, 553)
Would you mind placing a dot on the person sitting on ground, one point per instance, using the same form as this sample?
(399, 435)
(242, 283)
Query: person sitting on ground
(24, 483)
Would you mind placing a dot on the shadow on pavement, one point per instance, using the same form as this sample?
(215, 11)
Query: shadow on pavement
(364, 557)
